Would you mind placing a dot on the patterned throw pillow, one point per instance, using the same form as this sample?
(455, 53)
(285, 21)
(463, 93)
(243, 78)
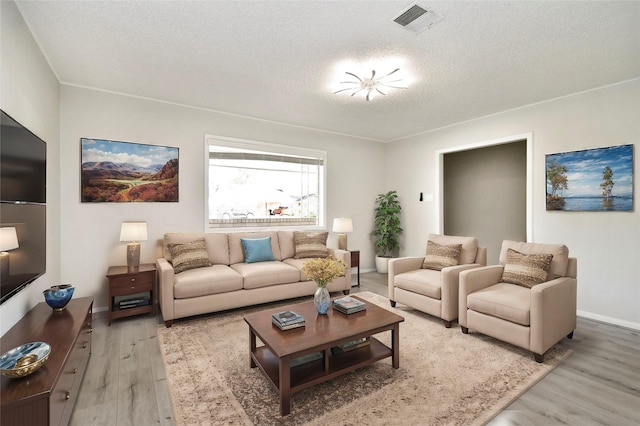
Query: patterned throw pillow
(441, 256)
(189, 255)
(310, 244)
(526, 270)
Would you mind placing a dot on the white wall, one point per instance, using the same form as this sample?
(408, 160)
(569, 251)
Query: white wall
(606, 244)
(90, 231)
(29, 93)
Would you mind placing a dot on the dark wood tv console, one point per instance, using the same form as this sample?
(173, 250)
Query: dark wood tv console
(47, 396)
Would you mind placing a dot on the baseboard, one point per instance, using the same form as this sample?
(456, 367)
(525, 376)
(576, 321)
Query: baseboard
(609, 320)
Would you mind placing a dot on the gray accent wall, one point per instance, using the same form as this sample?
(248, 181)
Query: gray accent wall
(485, 195)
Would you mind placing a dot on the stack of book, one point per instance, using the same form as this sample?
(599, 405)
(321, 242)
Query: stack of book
(349, 346)
(286, 320)
(347, 305)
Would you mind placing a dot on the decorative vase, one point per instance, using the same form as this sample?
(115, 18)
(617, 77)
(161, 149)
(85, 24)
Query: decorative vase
(58, 296)
(322, 300)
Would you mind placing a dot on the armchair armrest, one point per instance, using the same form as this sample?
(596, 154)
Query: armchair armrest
(166, 278)
(553, 312)
(473, 280)
(400, 265)
(450, 285)
(345, 256)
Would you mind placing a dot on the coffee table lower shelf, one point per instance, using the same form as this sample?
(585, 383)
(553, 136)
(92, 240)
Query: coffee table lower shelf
(322, 369)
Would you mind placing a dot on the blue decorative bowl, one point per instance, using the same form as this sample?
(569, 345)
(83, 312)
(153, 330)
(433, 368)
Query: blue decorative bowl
(58, 296)
(24, 360)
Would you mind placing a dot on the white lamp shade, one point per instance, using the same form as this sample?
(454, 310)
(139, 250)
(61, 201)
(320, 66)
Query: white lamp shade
(8, 239)
(342, 224)
(133, 231)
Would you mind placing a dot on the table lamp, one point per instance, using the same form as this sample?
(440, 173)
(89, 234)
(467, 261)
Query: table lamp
(342, 225)
(8, 241)
(133, 232)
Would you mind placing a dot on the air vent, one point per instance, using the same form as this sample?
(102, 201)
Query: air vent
(417, 18)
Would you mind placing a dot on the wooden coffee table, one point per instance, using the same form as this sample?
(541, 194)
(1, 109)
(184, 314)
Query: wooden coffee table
(321, 333)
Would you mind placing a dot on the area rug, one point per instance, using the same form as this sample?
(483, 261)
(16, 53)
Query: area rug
(445, 377)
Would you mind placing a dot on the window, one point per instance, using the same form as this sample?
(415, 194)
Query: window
(256, 185)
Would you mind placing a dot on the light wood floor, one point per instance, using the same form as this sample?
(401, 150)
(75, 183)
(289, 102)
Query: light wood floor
(598, 385)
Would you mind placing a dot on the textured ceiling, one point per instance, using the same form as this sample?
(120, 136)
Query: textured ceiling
(274, 60)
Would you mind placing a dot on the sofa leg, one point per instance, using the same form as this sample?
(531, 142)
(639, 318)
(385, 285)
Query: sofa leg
(345, 292)
(393, 303)
(539, 358)
(168, 323)
(447, 324)
(570, 335)
(465, 330)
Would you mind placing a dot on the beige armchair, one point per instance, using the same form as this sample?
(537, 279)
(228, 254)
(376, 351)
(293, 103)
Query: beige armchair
(534, 318)
(434, 291)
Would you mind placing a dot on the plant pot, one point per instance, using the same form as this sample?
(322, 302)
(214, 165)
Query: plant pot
(382, 264)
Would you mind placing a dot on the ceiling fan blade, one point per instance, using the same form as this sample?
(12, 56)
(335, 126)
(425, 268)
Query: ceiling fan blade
(343, 90)
(350, 73)
(393, 87)
(397, 69)
(379, 91)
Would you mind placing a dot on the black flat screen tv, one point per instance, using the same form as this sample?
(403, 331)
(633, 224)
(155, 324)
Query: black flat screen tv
(23, 193)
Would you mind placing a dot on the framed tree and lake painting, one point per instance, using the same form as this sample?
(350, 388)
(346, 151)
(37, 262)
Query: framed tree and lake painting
(599, 179)
(113, 171)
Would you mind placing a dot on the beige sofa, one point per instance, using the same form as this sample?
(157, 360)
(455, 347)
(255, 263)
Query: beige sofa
(230, 282)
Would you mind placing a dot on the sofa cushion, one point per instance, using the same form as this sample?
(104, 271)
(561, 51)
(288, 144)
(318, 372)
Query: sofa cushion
(203, 281)
(310, 244)
(264, 274)
(286, 244)
(507, 301)
(257, 249)
(216, 243)
(560, 254)
(189, 255)
(469, 246)
(236, 252)
(297, 263)
(441, 256)
(526, 270)
(421, 281)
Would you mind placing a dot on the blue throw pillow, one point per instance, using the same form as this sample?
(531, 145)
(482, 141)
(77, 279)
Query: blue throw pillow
(257, 250)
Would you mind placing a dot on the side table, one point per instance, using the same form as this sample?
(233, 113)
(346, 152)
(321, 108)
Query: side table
(123, 282)
(355, 262)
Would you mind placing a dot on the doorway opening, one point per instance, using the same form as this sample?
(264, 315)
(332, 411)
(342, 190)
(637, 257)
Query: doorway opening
(485, 191)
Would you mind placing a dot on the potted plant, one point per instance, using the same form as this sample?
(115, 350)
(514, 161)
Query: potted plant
(387, 228)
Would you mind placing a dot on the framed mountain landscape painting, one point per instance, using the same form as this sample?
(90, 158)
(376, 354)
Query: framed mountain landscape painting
(113, 171)
(599, 179)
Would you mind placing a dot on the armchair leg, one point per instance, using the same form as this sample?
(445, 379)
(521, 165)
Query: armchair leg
(465, 330)
(570, 335)
(346, 292)
(539, 358)
(393, 303)
(447, 324)
(168, 323)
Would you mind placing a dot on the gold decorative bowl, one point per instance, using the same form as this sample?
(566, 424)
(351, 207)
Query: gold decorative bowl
(25, 359)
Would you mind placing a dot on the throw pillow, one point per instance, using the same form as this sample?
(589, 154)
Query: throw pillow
(526, 270)
(310, 244)
(440, 256)
(189, 255)
(257, 249)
